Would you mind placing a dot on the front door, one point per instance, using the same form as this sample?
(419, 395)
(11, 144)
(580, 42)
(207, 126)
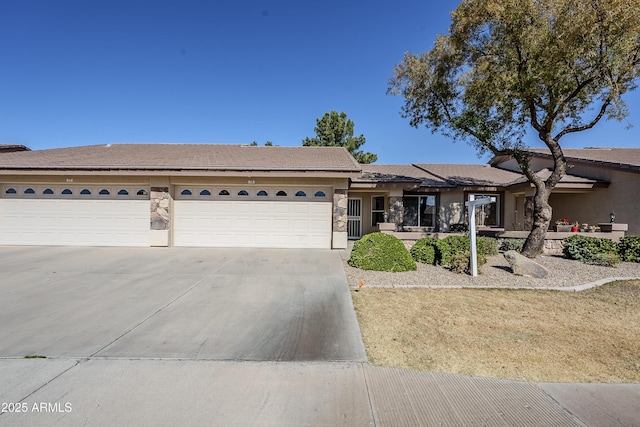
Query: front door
(354, 218)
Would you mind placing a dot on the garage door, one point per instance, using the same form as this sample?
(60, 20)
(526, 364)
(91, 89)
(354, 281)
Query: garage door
(237, 217)
(74, 216)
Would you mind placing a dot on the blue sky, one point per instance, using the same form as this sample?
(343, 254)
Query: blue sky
(81, 72)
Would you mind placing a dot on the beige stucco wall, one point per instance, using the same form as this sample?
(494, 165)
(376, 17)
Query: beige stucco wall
(451, 209)
(366, 207)
(594, 206)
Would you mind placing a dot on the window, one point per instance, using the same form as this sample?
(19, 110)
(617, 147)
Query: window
(319, 194)
(124, 192)
(66, 191)
(29, 191)
(301, 194)
(142, 192)
(48, 191)
(243, 193)
(104, 192)
(223, 193)
(419, 211)
(205, 193)
(85, 192)
(11, 191)
(377, 210)
(183, 193)
(488, 215)
(262, 193)
(281, 194)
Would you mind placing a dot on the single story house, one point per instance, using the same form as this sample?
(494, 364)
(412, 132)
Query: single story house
(176, 195)
(215, 195)
(429, 198)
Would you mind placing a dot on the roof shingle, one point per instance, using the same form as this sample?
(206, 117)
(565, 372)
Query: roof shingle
(207, 157)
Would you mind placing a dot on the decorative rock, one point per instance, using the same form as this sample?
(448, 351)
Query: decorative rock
(523, 266)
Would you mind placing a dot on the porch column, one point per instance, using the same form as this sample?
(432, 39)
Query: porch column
(340, 205)
(396, 210)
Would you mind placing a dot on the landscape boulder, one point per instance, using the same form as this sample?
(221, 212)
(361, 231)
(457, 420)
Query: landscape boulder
(523, 266)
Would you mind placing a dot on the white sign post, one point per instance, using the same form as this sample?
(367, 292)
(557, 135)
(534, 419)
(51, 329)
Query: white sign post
(471, 205)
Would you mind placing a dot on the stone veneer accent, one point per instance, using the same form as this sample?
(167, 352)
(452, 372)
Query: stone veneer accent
(340, 205)
(159, 202)
(396, 211)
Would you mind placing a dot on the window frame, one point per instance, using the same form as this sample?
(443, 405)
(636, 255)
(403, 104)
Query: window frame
(377, 213)
(498, 210)
(419, 221)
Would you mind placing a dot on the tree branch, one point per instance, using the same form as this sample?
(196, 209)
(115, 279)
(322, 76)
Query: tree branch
(603, 110)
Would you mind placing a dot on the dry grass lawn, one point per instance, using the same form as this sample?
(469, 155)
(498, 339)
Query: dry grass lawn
(537, 336)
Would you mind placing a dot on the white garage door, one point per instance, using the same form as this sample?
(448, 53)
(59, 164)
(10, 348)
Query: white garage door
(74, 216)
(268, 218)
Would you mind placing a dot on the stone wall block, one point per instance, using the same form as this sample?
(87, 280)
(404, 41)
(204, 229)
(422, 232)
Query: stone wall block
(396, 211)
(159, 206)
(340, 206)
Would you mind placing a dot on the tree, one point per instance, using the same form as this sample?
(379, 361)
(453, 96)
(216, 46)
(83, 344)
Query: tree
(336, 130)
(554, 67)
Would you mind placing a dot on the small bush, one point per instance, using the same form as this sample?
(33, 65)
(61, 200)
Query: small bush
(424, 250)
(608, 260)
(461, 262)
(381, 252)
(459, 228)
(629, 248)
(449, 246)
(589, 249)
(509, 244)
(487, 246)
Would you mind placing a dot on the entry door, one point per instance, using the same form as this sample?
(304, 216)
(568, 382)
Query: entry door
(354, 218)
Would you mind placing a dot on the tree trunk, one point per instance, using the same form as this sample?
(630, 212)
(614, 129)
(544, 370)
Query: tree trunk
(542, 214)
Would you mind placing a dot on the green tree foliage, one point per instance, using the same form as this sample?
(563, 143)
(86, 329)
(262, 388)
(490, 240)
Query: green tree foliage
(554, 67)
(336, 130)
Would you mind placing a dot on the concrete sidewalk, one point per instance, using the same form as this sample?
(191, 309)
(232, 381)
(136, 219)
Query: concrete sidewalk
(161, 392)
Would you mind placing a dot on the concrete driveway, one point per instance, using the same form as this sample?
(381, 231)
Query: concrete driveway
(178, 303)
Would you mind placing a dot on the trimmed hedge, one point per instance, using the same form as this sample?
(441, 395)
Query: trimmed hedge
(591, 250)
(459, 228)
(424, 250)
(381, 252)
(629, 248)
(450, 246)
(461, 262)
(487, 246)
(511, 244)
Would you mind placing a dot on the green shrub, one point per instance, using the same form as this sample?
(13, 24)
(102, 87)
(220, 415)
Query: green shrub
(381, 252)
(608, 260)
(589, 249)
(629, 248)
(448, 247)
(487, 246)
(459, 228)
(461, 262)
(510, 244)
(424, 250)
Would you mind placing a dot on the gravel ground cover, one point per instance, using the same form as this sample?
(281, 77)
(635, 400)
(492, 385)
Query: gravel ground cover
(496, 273)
